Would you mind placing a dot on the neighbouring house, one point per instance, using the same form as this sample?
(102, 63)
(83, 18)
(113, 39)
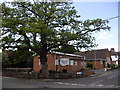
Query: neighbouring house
(114, 56)
(119, 58)
(61, 61)
(100, 58)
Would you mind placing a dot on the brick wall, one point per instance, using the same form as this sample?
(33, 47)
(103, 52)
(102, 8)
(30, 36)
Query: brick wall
(36, 64)
(70, 68)
(97, 64)
(51, 62)
(53, 67)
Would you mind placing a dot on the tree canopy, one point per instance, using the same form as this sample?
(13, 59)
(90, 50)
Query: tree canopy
(66, 49)
(43, 26)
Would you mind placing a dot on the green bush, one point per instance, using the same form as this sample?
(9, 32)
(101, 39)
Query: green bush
(112, 66)
(89, 65)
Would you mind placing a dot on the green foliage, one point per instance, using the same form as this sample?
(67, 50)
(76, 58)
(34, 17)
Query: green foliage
(52, 24)
(112, 66)
(22, 58)
(5, 61)
(19, 58)
(66, 49)
(89, 65)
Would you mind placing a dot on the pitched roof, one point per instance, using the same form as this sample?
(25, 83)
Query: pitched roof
(100, 54)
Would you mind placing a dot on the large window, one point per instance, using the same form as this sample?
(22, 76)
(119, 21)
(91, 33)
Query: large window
(71, 62)
(64, 61)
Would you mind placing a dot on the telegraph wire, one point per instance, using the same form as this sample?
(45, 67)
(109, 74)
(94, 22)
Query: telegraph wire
(113, 18)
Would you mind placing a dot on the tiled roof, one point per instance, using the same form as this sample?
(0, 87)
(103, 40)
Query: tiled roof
(100, 54)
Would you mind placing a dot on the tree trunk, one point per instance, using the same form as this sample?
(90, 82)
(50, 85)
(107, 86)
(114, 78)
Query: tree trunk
(44, 68)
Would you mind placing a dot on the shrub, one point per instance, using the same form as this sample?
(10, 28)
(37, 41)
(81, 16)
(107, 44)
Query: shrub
(112, 66)
(89, 65)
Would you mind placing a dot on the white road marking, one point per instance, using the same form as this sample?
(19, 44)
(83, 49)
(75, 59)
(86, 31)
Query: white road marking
(6, 77)
(93, 83)
(9, 77)
(73, 84)
(67, 83)
(59, 82)
(56, 82)
(97, 81)
(110, 86)
(81, 85)
(110, 77)
(100, 85)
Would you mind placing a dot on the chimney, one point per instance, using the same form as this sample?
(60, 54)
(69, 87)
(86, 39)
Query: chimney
(112, 49)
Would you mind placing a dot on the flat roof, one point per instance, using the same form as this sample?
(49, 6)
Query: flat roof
(73, 55)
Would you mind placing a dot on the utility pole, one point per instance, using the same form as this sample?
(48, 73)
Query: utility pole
(95, 57)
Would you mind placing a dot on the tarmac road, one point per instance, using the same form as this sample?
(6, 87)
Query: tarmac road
(109, 79)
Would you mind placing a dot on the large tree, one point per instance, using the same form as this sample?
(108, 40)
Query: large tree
(43, 26)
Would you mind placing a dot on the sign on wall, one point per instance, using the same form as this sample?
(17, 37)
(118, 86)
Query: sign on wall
(64, 61)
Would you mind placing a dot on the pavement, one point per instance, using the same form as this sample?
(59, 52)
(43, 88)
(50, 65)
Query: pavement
(99, 72)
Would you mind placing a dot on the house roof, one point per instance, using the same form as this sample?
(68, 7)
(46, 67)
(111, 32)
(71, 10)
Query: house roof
(99, 54)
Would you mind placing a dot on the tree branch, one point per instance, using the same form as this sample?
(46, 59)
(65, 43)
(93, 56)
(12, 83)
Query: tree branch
(56, 45)
(10, 47)
(92, 30)
(22, 5)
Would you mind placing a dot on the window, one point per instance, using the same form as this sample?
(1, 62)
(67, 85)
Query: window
(85, 64)
(39, 62)
(82, 63)
(56, 62)
(101, 62)
(71, 62)
(115, 56)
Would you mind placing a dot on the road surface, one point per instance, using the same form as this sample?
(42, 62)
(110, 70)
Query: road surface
(107, 80)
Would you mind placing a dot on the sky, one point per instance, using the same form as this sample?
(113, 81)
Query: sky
(104, 9)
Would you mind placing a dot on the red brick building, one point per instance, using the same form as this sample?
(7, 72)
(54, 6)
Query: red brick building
(114, 56)
(100, 58)
(61, 61)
